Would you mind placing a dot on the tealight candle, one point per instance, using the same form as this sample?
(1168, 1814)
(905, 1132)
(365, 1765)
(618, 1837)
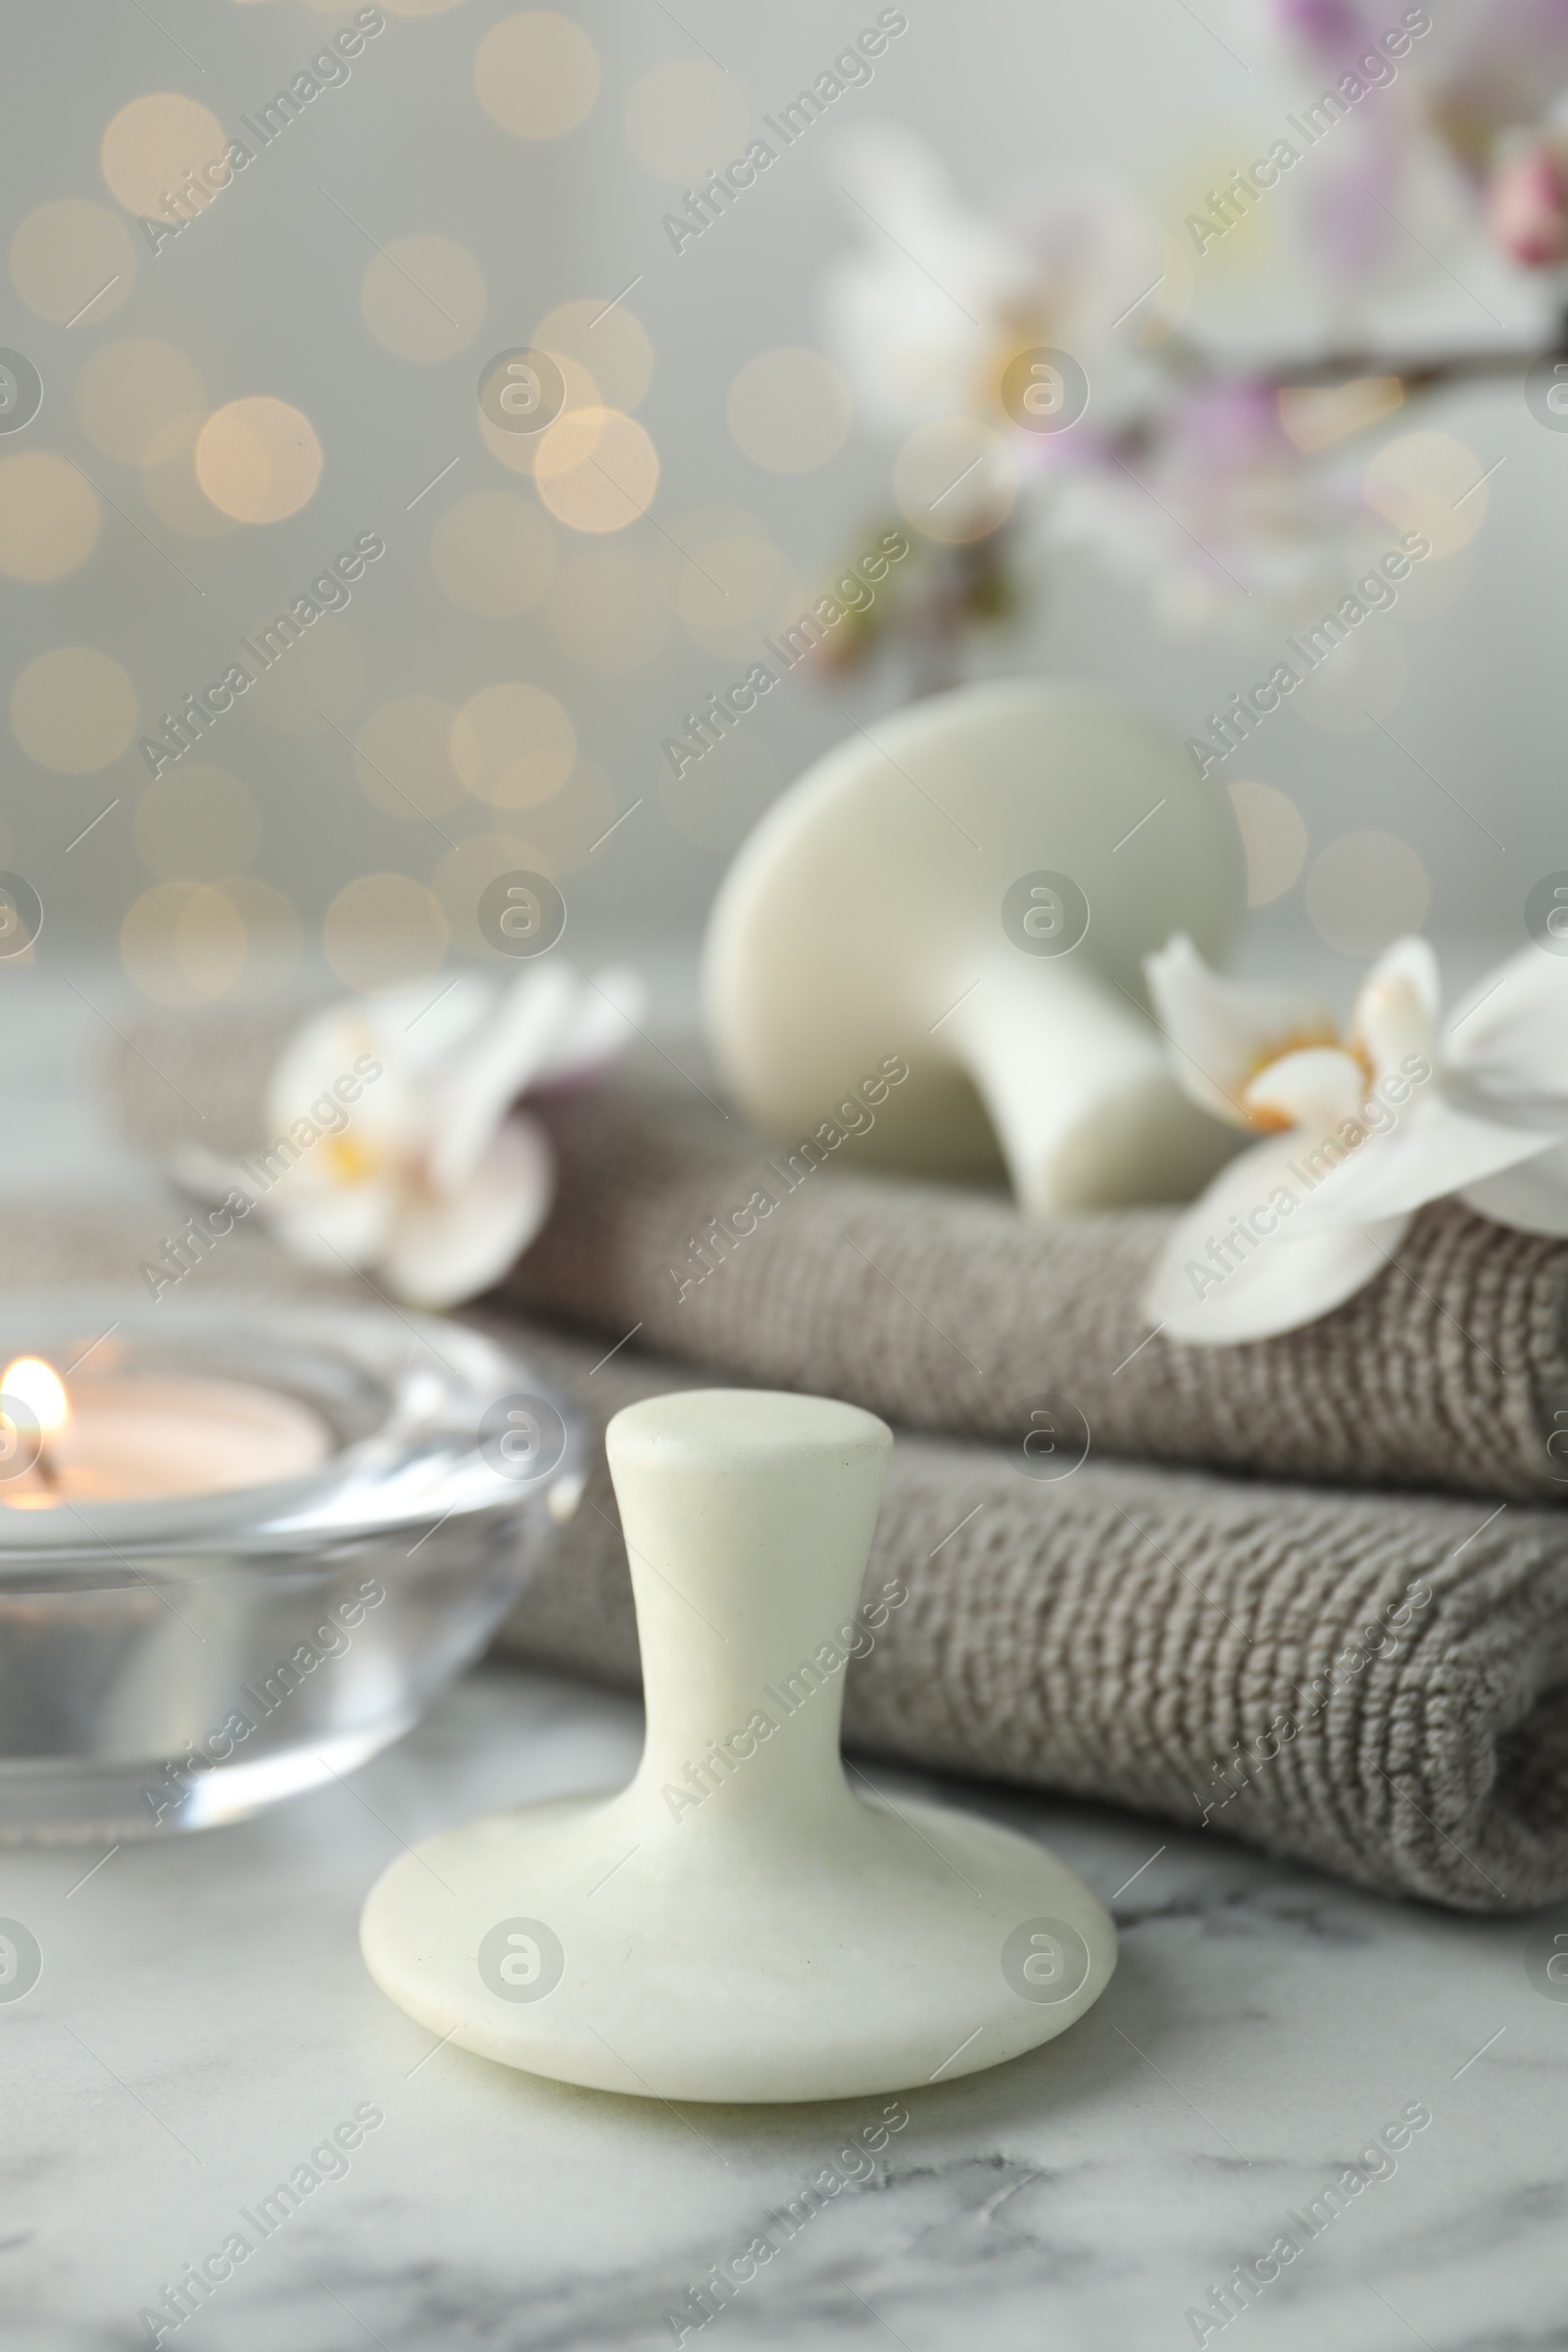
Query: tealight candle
(136, 1437)
(243, 1543)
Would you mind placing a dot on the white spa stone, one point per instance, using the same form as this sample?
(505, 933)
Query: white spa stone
(868, 916)
(782, 1934)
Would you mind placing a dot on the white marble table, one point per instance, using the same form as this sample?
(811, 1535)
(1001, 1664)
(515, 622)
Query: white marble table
(203, 2023)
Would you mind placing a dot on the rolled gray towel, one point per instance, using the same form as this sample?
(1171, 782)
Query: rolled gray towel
(1378, 1684)
(947, 1310)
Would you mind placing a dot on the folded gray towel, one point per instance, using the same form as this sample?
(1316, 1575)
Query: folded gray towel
(1375, 1684)
(947, 1310)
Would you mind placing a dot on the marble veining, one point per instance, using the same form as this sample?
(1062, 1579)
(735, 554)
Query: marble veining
(203, 2021)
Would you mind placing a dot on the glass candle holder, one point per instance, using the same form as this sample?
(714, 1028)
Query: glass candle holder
(174, 1659)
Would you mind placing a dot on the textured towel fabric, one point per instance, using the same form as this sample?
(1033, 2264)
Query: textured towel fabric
(1375, 1684)
(1360, 1681)
(947, 1310)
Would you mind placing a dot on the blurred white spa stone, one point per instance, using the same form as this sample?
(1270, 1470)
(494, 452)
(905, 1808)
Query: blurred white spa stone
(967, 890)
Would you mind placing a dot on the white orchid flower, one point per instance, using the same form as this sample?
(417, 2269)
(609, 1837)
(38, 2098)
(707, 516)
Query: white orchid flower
(1358, 1131)
(396, 1147)
(928, 307)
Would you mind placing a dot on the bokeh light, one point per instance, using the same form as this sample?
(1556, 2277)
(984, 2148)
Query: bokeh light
(1252, 241)
(423, 297)
(1274, 838)
(73, 709)
(596, 470)
(48, 516)
(383, 929)
(493, 553)
(954, 480)
(169, 480)
(1365, 890)
(732, 585)
(68, 256)
(1433, 484)
(607, 342)
(536, 73)
(186, 943)
(519, 452)
(403, 757)
(272, 938)
(1316, 416)
(129, 390)
(512, 745)
(196, 823)
(686, 117)
(182, 942)
(609, 607)
(317, 682)
(789, 410)
(153, 143)
(258, 459)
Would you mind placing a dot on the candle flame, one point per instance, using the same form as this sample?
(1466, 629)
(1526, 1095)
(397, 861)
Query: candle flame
(37, 1387)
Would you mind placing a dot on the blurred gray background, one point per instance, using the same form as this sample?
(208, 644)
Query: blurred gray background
(297, 286)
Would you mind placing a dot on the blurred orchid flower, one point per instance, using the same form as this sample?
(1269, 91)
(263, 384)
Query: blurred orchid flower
(1221, 520)
(1358, 1131)
(1467, 83)
(1527, 203)
(1216, 512)
(1414, 146)
(1481, 71)
(428, 1176)
(928, 311)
